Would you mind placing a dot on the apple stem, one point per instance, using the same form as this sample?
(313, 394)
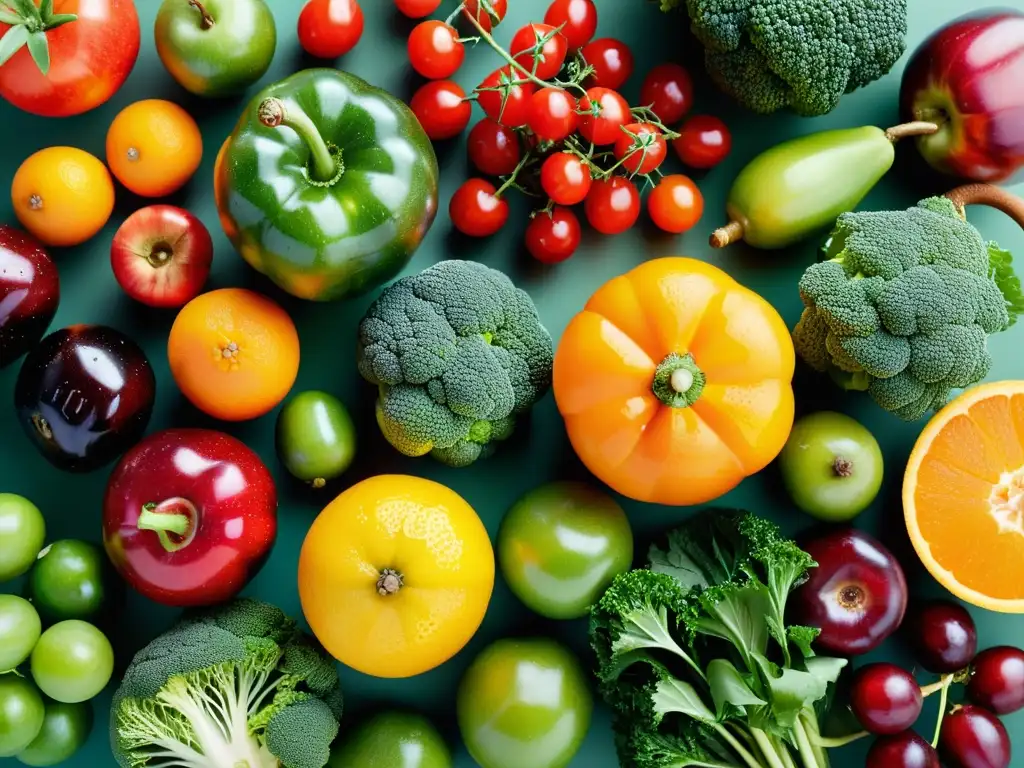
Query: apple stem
(175, 516)
(390, 582)
(327, 165)
(906, 130)
(727, 235)
(986, 194)
(208, 21)
(842, 466)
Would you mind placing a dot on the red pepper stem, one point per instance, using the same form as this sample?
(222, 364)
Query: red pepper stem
(173, 521)
(987, 194)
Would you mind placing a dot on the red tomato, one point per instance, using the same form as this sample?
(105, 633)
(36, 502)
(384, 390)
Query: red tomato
(493, 148)
(643, 147)
(90, 58)
(668, 92)
(475, 210)
(442, 109)
(330, 28)
(435, 51)
(526, 48)
(565, 178)
(417, 9)
(577, 18)
(612, 62)
(504, 98)
(602, 112)
(552, 114)
(473, 9)
(553, 237)
(704, 142)
(613, 205)
(675, 204)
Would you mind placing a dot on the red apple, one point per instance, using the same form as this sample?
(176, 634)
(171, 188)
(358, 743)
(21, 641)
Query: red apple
(161, 256)
(969, 78)
(29, 293)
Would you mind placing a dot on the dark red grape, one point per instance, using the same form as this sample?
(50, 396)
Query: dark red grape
(997, 679)
(943, 636)
(885, 698)
(902, 750)
(973, 737)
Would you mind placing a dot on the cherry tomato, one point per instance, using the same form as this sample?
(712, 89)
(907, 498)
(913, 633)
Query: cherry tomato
(553, 237)
(612, 205)
(704, 142)
(476, 211)
(503, 98)
(330, 28)
(612, 62)
(473, 9)
(526, 48)
(675, 204)
(442, 109)
(434, 50)
(643, 146)
(417, 9)
(552, 114)
(577, 18)
(565, 178)
(493, 148)
(602, 112)
(668, 92)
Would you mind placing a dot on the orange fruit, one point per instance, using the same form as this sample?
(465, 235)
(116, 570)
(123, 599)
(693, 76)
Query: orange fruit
(62, 195)
(154, 147)
(963, 496)
(233, 353)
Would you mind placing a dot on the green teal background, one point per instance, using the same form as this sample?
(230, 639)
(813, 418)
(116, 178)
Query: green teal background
(540, 451)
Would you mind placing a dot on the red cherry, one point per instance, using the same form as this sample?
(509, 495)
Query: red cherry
(902, 750)
(944, 636)
(973, 737)
(997, 679)
(885, 698)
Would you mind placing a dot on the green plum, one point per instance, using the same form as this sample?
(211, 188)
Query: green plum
(831, 466)
(20, 628)
(392, 740)
(69, 581)
(561, 545)
(216, 48)
(524, 702)
(316, 438)
(65, 729)
(72, 661)
(21, 714)
(22, 532)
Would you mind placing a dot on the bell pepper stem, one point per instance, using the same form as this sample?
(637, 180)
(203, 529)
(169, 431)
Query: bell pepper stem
(915, 128)
(986, 194)
(174, 516)
(325, 167)
(727, 235)
(207, 22)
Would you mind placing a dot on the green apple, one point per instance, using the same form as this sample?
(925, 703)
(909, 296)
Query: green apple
(216, 47)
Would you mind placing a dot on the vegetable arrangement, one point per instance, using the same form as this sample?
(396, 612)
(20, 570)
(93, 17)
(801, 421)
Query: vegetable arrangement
(731, 645)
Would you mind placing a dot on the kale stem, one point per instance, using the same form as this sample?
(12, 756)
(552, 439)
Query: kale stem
(783, 751)
(733, 742)
(810, 721)
(771, 757)
(803, 743)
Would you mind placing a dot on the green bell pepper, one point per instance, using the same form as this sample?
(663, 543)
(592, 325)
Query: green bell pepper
(327, 185)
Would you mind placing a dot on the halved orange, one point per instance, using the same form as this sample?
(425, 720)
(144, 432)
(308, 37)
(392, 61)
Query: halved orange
(963, 496)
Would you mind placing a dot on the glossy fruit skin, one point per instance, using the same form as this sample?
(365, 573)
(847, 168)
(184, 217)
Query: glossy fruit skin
(441, 108)
(641, 147)
(508, 725)
(973, 737)
(330, 28)
(561, 545)
(885, 698)
(20, 628)
(161, 256)
(221, 58)
(435, 50)
(473, 11)
(21, 714)
(831, 466)
(612, 205)
(493, 148)
(553, 237)
(227, 498)
(944, 637)
(612, 113)
(65, 729)
(577, 18)
(565, 178)
(29, 293)
(316, 439)
(304, 251)
(704, 142)
(789, 192)
(89, 60)
(605, 382)
(417, 9)
(902, 750)
(668, 92)
(970, 71)
(612, 62)
(73, 661)
(351, 554)
(857, 595)
(546, 62)
(69, 581)
(476, 211)
(154, 147)
(552, 114)
(675, 204)
(392, 740)
(22, 533)
(500, 100)
(997, 679)
(84, 395)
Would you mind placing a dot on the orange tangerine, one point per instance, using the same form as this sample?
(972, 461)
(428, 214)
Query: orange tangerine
(154, 147)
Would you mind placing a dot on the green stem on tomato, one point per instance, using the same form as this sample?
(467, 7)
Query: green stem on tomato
(511, 180)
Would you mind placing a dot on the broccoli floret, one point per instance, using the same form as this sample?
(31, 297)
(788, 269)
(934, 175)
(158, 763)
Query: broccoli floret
(803, 54)
(904, 304)
(238, 684)
(457, 352)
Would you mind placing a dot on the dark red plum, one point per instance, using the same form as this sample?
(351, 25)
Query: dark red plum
(997, 679)
(973, 737)
(29, 293)
(84, 395)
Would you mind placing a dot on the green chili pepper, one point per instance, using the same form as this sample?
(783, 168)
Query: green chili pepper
(327, 185)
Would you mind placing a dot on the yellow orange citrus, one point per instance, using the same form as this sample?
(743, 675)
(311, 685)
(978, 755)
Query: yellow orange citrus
(154, 147)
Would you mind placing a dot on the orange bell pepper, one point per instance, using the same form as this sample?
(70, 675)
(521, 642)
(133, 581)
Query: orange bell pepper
(675, 382)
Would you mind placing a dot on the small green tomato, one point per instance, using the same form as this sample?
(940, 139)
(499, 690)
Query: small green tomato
(22, 532)
(316, 438)
(72, 661)
(65, 729)
(69, 580)
(392, 740)
(20, 628)
(21, 714)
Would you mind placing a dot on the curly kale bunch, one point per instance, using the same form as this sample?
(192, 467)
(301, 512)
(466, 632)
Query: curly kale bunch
(904, 304)
(457, 352)
(803, 54)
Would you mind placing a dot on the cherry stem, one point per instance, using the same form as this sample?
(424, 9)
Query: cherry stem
(208, 21)
(727, 235)
(915, 128)
(987, 194)
(175, 516)
(943, 698)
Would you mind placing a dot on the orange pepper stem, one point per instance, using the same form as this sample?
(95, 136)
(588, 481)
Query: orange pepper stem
(678, 382)
(390, 582)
